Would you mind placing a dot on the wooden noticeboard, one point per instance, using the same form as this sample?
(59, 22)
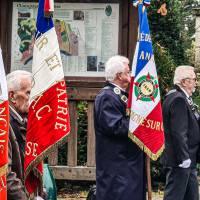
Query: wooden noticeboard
(103, 28)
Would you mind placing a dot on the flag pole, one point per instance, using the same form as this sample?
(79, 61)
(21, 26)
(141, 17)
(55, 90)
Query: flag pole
(148, 168)
(148, 161)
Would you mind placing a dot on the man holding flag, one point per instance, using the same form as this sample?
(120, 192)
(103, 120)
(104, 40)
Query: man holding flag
(145, 127)
(4, 126)
(48, 118)
(119, 162)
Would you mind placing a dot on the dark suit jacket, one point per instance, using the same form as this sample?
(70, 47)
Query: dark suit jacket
(182, 134)
(119, 162)
(15, 180)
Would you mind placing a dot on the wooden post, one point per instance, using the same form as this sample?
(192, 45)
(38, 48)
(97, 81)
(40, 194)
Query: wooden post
(5, 32)
(148, 168)
(72, 138)
(90, 136)
(53, 158)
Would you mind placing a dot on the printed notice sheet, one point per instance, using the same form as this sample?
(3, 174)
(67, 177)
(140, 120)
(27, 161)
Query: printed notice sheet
(87, 33)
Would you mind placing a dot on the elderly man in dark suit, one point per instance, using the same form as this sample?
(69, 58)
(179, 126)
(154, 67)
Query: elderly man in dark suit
(182, 137)
(19, 86)
(119, 162)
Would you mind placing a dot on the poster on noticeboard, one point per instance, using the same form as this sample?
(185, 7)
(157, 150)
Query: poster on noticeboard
(88, 35)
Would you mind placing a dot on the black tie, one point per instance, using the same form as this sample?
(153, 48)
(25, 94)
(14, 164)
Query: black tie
(190, 101)
(194, 108)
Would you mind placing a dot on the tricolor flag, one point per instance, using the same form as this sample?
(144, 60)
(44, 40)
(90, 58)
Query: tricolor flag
(48, 8)
(4, 128)
(48, 117)
(146, 124)
(145, 2)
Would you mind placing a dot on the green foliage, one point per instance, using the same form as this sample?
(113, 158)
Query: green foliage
(62, 155)
(166, 29)
(81, 140)
(175, 30)
(82, 133)
(172, 37)
(165, 67)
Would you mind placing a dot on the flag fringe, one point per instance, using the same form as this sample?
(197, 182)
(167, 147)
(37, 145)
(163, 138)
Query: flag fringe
(41, 157)
(144, 148)
(45, 154)
(3, 170)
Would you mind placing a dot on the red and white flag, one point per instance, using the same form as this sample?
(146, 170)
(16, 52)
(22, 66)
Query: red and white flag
(48, 118)
(4, 129)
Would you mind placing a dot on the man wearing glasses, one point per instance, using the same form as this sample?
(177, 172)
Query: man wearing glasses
(119, 162)
(182, 137)
(19, 84)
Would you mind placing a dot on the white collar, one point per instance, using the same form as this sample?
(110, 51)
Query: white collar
(16, 113)
(187, 95)
(118, 86)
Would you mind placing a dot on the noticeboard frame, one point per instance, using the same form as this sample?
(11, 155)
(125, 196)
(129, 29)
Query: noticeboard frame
(126, 39)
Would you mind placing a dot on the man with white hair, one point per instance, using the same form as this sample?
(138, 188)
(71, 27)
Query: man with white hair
(19, 86)
(119, 162)
(182, 137)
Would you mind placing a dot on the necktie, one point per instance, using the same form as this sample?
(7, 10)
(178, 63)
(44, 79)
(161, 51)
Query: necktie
(193, 108)
(190, 101)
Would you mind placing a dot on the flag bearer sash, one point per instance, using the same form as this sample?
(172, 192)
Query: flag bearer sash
(146, 124)
(48, 118)
(4, 128)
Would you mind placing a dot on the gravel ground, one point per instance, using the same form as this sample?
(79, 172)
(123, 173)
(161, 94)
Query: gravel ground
(155, 196)
(78, 191)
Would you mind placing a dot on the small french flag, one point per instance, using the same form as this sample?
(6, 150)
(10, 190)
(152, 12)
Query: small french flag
(48, 8)
(145, 2)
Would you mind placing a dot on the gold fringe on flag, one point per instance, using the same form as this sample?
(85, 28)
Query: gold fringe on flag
(144, 148)
(3, 170)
